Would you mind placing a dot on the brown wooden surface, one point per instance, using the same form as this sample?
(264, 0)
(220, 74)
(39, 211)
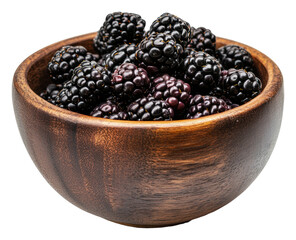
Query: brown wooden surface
(147, 173)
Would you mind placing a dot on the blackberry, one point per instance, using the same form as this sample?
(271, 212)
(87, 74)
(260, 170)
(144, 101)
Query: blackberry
(179, 72)
(122, 54)
(109, 110)
(205, 105)
(201, 71)
(88, 85)
(240, 86)
(174, 91)
(119, 28)
(62, 64)
(51, 92)
(233, 56)
(130, 82)
(161, 51)
(218, 90)
(149, 109)
(170, 24)
(203, 40)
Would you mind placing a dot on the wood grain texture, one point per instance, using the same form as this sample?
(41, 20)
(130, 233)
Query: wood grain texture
(147, 174)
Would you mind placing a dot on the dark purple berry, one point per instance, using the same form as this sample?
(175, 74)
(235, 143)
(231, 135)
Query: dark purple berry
(201, 71)
(203, 40)
(62, 64)
(149, 109)
(170, 24)
(240, 86)
(130, 82)
(119, 28)
(200, 106)
(122, 54)
(174, 91)
(90, 82)
(161, 51)
(109, 110)
(233, 56)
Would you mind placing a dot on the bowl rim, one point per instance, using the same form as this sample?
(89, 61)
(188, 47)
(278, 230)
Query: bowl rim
(20, 84)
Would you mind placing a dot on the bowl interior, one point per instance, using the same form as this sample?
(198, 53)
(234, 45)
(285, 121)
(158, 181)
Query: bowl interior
(38, 75)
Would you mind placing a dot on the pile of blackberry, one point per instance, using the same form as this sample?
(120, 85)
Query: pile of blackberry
(173, 71)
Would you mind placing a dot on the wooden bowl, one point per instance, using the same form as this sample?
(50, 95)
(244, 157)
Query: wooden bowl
(147, 174)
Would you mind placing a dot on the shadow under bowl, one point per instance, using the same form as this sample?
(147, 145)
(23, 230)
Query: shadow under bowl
(147, 174)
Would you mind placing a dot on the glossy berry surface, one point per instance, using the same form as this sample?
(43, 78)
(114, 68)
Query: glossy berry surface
(174, 91)
(62, 64)
(200, 106)
(130, 82)
(161, 51)
(170, 24)
(109, 110)
(88, 85)
(203, 40)
(240, 86)
(201, 71)
(233, 56)
(119, 28)
(149, 109)
(122, 54)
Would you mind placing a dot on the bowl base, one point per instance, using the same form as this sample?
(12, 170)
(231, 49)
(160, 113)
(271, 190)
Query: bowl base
(150, 226)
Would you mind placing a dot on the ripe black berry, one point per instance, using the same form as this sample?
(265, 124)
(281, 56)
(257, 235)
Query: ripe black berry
(149, 109)
(203, 40)
(240, 86)
(130, 82)
(119, 28)
(174, 91)
(161, 51)
(109, 110)
(122, 54)
(89, 83)
(205, 105)
(232, 56)
(170, 24)
(201, 71)
(62, 64)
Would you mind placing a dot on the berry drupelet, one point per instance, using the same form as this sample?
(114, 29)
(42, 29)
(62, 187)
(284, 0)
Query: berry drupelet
(203, 40)
(64, 61)
(240, 86)
(161, 51)
(89, 83)
(119, 28)
(174, 91)
(130, 82)
(122, 54)
(173, 25)
(149, 109)
(109, 110)
(200, 106)
(232, 56)
(201, 71)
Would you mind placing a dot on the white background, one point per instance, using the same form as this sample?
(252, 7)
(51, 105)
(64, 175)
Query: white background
(31, 209)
